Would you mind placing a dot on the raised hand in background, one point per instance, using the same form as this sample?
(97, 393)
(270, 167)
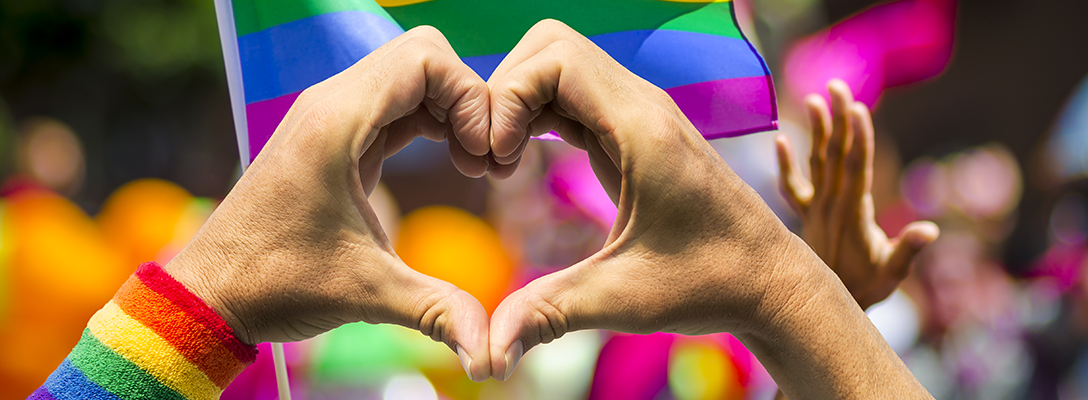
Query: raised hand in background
(836, 205)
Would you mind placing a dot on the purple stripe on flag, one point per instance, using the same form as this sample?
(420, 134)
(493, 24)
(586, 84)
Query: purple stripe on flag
(41, 394)
(728, 107)
(263, 117)
(722, 108)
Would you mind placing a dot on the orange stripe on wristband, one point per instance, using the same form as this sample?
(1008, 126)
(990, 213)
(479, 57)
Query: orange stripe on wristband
(178, 328)
(155, 278)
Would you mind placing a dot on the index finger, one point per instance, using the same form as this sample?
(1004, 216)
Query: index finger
(351, 107)
(554, 63)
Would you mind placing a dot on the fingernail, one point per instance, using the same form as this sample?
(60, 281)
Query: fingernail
(487, 161)
(513, 356)
(466, 361)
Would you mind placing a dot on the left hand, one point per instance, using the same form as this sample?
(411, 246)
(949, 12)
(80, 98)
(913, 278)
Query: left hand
(836, 207)
(296, 250)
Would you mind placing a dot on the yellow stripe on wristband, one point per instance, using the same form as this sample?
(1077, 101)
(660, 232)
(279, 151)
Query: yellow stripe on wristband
(149, 351)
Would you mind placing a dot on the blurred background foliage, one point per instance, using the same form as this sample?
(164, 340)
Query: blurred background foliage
(140, 82)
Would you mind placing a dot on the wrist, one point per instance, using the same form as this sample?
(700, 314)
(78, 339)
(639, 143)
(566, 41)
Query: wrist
(154, 339)
(815, 340)
(205, 269)
(793, 280)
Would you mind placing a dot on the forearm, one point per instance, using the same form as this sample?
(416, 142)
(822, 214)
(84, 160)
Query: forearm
(154, 339)
(819, 344)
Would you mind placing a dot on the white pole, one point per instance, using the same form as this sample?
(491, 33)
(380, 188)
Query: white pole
(228, 39)
(281, 371)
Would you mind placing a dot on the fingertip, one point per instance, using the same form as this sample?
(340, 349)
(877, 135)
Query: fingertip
(781, 141)
(515, 156)
(471, 335)
(475, 370)
(500, 171)
(509, 324)
(468, 164)
(506, 147)
(818, 115)
(814, 101)
(919, 234)
(508, 136)
(859, 115)
(837, 86)
(784, 151)
(841, 96)
(512, 356)
(474, 134)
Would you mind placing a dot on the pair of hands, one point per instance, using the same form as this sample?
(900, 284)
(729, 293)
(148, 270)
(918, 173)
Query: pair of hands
(295, 249)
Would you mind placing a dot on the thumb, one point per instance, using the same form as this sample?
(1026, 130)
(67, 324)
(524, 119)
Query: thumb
(912, 239)
(535, 314)
(583, 296)
(446, 314)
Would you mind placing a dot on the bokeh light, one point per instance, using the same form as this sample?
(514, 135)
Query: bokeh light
(457, 247)
(116, 145)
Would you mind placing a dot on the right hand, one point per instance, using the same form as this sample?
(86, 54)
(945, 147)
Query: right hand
(694, 250)
(836, 207)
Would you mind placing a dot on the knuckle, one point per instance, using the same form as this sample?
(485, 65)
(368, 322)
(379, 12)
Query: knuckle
(548, 319)
(309, 96)
(435, 314)
(551, 25)
(563, 49)
(316, 119)
(425, 31)
(416, 46)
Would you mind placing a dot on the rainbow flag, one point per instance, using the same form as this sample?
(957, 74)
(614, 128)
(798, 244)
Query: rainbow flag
(274, 49)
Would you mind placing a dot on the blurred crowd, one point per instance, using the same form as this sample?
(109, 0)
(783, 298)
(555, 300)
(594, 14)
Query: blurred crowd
(116, 145)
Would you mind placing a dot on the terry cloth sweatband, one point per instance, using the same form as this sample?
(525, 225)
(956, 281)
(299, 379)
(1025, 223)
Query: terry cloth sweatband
(154, 340)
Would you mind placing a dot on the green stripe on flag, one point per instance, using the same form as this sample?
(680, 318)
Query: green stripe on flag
(714, 19)
(257, 15)
(496, 26)
(114, 373)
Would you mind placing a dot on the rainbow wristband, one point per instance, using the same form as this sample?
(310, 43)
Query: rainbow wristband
(154, 340)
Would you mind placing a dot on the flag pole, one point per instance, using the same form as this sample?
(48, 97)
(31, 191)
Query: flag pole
(228, 38)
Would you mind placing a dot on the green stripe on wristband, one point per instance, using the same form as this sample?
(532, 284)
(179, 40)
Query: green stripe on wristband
(114, 373)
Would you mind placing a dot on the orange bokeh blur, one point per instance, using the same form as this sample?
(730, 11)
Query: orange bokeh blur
(61, 266)
(142, 217)
(455, 246)
(61, 270)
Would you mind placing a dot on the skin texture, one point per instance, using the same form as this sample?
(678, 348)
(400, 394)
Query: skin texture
(836, 205)
(296, 250)
(693, 249)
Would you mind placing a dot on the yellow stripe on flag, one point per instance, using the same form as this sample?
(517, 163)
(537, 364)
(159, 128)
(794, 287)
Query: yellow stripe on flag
(398, 3)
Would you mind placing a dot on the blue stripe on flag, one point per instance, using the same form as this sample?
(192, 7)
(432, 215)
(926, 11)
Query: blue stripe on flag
(666, 58)
(294, 56)
(291, 57)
